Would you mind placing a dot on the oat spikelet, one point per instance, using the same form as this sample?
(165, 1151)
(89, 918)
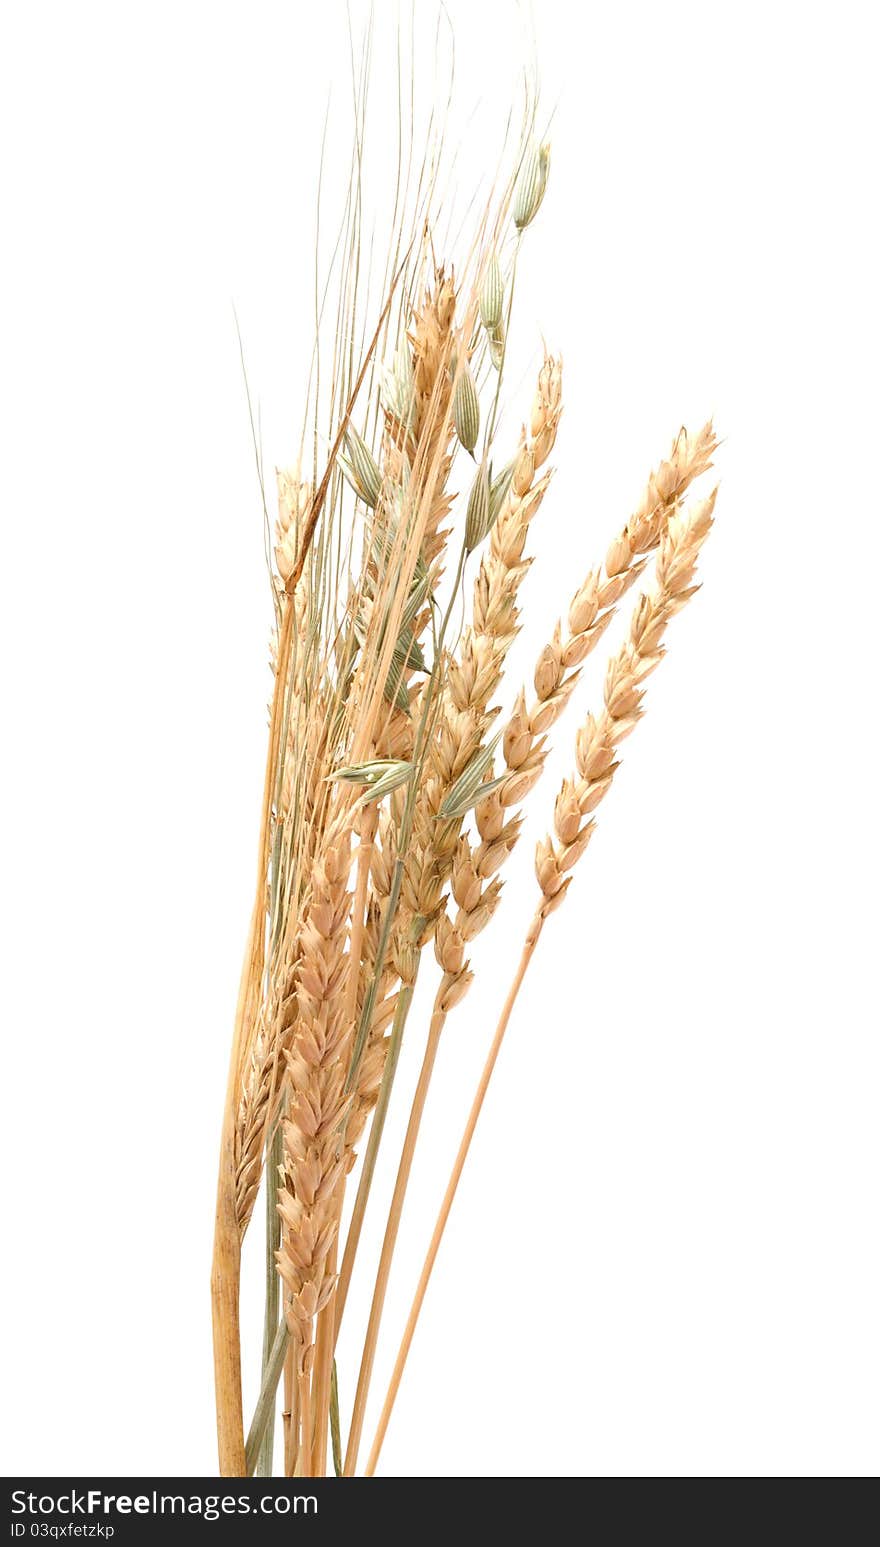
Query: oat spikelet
(294, 499)
(316, 1069)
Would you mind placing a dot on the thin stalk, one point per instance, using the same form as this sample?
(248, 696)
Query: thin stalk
(226, 1259)
(324, 1341)
(438, 1021)
(225, 1277)
(401, 1010)
(291, 1404)
(266, 1400)
(304, 1456)
(335, 1435)
(406, 1342)
(270, 1324)
(493, 414)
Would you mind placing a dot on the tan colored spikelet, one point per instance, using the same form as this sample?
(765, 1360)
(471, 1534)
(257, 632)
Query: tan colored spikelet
(299, 817)
(477, 891)
(628, 670)
(250, 1129)
(317, 1101)
(593, 606)
(426, 444)
(417, 457)
(432, 342)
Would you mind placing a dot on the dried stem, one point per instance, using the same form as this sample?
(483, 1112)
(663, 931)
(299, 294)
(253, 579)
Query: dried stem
(270, 1315)
(369, 1162)
(290, 1416)
(438, 1021)
(452, 1188)
(225, 1276)
(304, 1455)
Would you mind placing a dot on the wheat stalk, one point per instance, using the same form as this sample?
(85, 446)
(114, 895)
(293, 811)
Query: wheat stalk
(573, 827)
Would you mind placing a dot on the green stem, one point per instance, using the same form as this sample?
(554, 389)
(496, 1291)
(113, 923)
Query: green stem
(490, 427)
(265, 1407)
(401, 1010)
(335, 1434)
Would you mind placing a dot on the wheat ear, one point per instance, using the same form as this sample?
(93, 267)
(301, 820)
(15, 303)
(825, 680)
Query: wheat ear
(424, 442)
(592, 609)
(316, 1063)
(573, 826)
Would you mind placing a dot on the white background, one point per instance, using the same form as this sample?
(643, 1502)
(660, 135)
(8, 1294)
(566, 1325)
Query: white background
(664, 1258)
